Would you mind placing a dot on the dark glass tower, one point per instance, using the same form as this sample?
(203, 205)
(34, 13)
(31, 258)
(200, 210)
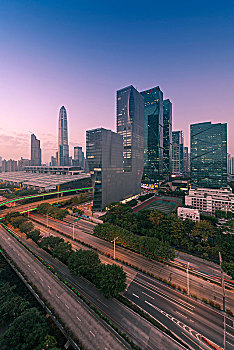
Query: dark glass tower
(130, 125)
(63, 148)
(208, 154)
(167, 137)
(35, 151)
(153, 140)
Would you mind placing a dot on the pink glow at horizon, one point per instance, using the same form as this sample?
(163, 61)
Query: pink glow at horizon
(81, 61)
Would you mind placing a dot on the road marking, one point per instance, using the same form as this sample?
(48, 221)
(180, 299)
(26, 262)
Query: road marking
(147, 295)
(229, 334)
(137, 296)
(229, 343)
(67, 306)
(181, 314)
(78, 318)
(92, 334)
(192, 340)
(35, 271)
(57, 296)
(41, 278)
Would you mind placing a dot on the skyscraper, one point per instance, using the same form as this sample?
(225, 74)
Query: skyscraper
(209, 154)
(186, 162)
(177, 152)
(116, 160)
(35, 151)
(130, 125)
(79, 158)
(63, 148)
(153, 132)
(167, 137)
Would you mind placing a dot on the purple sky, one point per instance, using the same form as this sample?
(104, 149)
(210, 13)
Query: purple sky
(56, 53)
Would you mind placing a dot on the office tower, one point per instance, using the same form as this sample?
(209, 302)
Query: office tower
(209, 154)
(177, 153)
(167, 137)
(35, 151)
(53, 161)
(232, 165)
(23, 163)
(186, 162)
(79, 159)
(104, 152)
(130, 125)
(116, 160)
(229, 163)
(153, 135)
(63, 148)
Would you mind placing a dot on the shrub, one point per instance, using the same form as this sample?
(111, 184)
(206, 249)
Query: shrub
(204, 300)
(211, 302)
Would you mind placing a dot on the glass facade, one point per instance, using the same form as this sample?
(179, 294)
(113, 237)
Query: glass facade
(208, 156)
(167, 137)
(177, 153)
(153, 135)
(35, 151)
(63, 148)
(130, 125)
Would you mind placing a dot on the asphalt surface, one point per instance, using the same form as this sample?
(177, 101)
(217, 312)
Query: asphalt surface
(137, 328)
(198, 286)
(85, 324)
(187, 318)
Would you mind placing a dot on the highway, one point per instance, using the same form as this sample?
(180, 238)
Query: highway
(137, 328)
(198, 286)
(187, 318)
(85, 324)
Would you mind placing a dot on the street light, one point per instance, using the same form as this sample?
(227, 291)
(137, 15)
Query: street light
(224, 316)
(114, 244)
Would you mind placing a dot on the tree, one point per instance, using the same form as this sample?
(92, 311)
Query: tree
(50, 342)
(11, 308)
(62, 251)
(49, 243)
(17, 221)
(203, 230)
(34, 235)
(111, 280)
(26, 226)
(83, 263)
(25, 332)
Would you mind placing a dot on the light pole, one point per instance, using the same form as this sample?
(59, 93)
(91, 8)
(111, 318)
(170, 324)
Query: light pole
(188, 277)
(224, 316)
(114, 245)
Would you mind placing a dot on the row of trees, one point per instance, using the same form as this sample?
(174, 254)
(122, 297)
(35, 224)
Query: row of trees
(203, 238)
(56, 213)
(110, 279)
(27, 326)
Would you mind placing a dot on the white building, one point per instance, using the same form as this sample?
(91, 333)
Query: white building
(188, 213)
(209, 200)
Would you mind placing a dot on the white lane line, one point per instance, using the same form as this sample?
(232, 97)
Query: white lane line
(137, 296)
(181, 314)
(35, 271)
(78, 318)
(229, 343)
(148, 295)
(67, 306)
(41, 278)
(92, 334)
(57, 296)
(230, 334)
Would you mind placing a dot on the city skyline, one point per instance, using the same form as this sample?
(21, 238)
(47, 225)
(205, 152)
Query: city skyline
(185, 63)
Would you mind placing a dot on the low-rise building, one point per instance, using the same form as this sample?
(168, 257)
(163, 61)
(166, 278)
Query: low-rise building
(188, 213)
(209, 200)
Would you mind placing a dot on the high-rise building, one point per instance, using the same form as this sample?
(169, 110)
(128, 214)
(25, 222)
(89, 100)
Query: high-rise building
(79, 159)
(63, 147)
(130, 125)
(35, 151)
(23, 163)
(209, 154)
(9, 165)
(177, 153)
(116, 160)
(167, 137)
(229, 164)
(53, 161)
(186, 162)
(153, 134)
(232, 165)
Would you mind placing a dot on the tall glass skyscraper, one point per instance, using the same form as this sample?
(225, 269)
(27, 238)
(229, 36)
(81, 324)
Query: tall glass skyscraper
(178, 152)
(35, 151)
(209, 154)
(63, 148)
(153, 132)
(167, 137)
(130, 125)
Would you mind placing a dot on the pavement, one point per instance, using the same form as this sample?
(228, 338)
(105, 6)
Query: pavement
(85, 324)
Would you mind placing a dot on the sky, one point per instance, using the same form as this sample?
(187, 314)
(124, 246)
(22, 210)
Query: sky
(78, 53)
